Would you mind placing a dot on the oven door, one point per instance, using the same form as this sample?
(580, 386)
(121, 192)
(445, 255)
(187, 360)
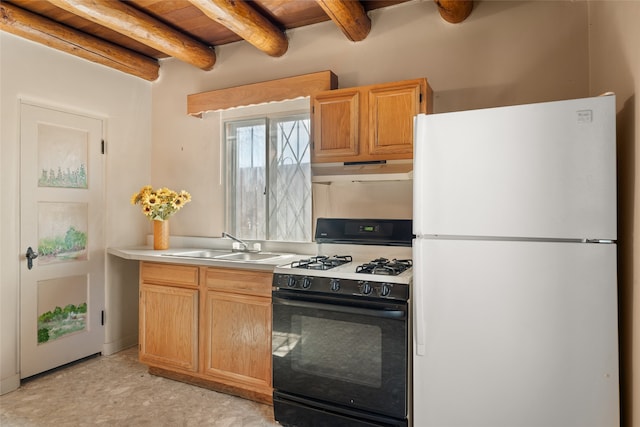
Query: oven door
(341, 350)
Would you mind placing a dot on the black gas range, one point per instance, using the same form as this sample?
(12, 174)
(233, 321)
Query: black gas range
(340, 327)
(342, 275)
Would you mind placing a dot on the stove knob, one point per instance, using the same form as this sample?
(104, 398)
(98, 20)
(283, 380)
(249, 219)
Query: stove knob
(291, 282)
(366, 288)
(385, 290)
(306, 283)
(335, 285)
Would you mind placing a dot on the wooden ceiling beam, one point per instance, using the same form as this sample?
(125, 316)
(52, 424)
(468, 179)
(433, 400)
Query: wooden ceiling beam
(349, 16)
(139, 26)
(454, 11)
(41, 30)
(246, 22)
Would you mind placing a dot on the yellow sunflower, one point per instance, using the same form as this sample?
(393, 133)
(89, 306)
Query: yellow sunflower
(160, 204)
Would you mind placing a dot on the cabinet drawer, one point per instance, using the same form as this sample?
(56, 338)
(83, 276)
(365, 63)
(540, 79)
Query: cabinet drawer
(240, 281)
(171, 274)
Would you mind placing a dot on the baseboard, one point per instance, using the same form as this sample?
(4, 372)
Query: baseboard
(112, 347)
(194, 378)
(9, 384)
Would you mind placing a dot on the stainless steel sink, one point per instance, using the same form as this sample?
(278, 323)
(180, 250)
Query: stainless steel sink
(227, 256)
(209, 253)
(248, 256)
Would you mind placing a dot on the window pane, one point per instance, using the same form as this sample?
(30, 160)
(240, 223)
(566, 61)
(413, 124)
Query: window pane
(247, 175)
(290, 179)
(277, 208)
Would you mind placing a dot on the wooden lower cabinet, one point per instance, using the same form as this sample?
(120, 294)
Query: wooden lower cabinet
(169, 326)
(211, 328)
(238, 340)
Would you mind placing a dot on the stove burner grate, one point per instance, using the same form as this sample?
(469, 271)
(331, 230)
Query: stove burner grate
(321, 262)
(384, 266)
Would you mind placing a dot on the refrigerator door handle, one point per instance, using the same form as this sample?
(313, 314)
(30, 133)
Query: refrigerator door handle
(418, 173)
(418, 297)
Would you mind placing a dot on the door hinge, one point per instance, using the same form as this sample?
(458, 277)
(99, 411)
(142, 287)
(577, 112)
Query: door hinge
(103, 146)
(102, 317)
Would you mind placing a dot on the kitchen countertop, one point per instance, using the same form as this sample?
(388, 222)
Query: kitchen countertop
(147, 253)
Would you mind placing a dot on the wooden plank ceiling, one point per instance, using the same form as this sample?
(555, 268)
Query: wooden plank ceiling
(133, 35)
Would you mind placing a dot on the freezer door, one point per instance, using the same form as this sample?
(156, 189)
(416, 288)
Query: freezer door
(543, 170)
(515, 334)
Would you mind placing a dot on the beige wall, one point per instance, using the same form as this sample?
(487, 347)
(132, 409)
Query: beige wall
(504, 53)
(49, 77)
(615, 66)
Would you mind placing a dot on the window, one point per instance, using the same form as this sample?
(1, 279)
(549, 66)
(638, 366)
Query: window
(269, 177)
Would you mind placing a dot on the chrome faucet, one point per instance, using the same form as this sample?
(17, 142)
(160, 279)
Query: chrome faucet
(245, 245)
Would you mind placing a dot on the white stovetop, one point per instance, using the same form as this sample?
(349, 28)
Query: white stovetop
(365, 252)
(360, 254)
(347, 271)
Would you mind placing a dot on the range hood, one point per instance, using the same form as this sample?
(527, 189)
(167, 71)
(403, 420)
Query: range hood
(385, 170)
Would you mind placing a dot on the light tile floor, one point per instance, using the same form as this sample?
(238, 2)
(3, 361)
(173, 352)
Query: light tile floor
(117, 390)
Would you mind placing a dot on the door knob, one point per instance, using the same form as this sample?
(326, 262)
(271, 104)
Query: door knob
(31, 255)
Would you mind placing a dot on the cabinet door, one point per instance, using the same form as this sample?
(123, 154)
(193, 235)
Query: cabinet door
(391, 111)
(238, 339)
(169, 326)
(335, 124)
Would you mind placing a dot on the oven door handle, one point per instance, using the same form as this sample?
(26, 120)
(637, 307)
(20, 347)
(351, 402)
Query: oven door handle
(385, 314)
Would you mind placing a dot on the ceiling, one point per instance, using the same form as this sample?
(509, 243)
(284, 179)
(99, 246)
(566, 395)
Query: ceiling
(133, 35)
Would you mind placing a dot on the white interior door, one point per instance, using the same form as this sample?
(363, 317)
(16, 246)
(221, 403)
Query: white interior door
(62, 217)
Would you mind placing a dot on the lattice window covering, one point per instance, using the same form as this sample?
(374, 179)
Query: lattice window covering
(269, 178)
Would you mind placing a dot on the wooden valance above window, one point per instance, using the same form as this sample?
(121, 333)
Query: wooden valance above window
(259, 93)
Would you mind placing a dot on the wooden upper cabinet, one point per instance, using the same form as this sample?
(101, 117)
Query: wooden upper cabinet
(336, 119)
(368, 123)
(390, 125)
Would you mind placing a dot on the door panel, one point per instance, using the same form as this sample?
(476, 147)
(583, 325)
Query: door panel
(335, 124)
(331, 353)
(517, 333)
(62, 294)
(541, 170)
(169, 326)
(390, 120)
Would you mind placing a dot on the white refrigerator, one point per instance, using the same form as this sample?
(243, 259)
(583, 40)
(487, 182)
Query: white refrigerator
(515, 286)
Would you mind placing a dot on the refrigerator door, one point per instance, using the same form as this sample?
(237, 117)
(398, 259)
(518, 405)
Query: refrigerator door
(540, 170)
(514, 334)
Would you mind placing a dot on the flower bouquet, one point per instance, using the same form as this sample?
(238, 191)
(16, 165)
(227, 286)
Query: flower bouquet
(158, 205)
